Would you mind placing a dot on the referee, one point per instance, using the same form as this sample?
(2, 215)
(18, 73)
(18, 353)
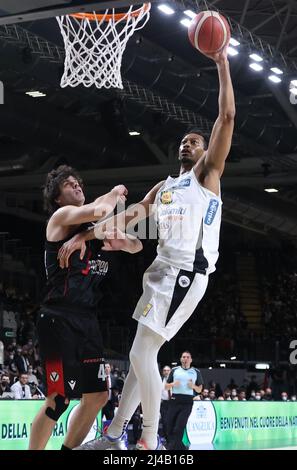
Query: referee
(183, 382)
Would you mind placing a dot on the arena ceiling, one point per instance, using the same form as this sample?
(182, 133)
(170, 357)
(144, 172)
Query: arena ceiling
(167, 87)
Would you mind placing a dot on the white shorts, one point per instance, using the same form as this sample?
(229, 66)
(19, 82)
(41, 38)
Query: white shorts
(170, 296)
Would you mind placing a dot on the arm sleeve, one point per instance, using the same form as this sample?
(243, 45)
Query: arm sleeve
(199, 380)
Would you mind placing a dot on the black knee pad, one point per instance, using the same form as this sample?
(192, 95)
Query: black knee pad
(61, 406)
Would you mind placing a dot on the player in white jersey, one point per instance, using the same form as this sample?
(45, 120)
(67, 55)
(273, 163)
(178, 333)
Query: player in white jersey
(188, 214)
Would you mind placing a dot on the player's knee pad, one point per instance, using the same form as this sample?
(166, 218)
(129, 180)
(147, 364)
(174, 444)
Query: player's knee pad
(61, 406)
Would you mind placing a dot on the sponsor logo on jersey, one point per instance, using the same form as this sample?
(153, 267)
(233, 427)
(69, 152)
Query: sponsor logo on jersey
(184, 281)
(54, 376)
(211, 211)
(173, 211)
(166, 197)
(183, 184)
(98, 266)
(91, 361)
(146, 310)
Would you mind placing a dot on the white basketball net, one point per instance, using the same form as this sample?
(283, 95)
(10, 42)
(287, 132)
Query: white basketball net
(94, 48)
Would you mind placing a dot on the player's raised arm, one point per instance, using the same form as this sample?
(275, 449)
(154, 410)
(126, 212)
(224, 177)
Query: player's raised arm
(221, 136)
(98, 209)
(120, 222)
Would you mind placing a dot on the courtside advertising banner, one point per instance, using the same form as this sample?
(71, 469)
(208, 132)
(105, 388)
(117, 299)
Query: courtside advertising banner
(16, 418)
(242, 424)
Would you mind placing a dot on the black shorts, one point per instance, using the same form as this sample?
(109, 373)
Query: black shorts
(71, 351)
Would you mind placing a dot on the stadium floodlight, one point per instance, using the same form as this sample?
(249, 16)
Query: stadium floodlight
(271, 190)
(185, 22)
(256, 57)
(256, 67)
(262, 366)
(166, 9)
(234, 42)
(231, 51)
(276, 70)
(133, 133)
(35, 94)
(274, 79)
(190, 14)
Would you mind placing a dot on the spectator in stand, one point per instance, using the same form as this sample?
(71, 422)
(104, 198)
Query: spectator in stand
(21, 360)
(268, 394)
(212, 395)
(108, 409)
(165, 399)
(253, 385)
(11, 365)
(216, 387)
(241, 395)
(21, 389)
(5, 391)
(32, 379)
(233, 393)
(258, 396)
(205, 394)
(227, 394)
(252, 396)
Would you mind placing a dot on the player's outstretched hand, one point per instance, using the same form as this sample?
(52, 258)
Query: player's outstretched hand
(75, 243)
(121, 192)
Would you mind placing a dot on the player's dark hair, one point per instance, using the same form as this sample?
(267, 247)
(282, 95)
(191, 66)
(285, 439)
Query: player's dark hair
(52, 188)
(186, 352)
(196, 130)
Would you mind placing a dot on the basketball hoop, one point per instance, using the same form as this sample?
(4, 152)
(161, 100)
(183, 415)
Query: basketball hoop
(95, 43)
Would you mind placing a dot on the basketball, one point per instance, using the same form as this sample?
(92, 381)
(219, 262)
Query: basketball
(209, 32)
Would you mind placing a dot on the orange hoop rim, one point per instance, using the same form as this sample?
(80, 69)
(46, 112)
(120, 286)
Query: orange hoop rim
(117, 16)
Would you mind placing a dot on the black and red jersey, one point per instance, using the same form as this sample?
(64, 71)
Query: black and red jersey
(78, 287)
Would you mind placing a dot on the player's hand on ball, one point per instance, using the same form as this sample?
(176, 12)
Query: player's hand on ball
(220, 56)
(121, 192)
(75, 243)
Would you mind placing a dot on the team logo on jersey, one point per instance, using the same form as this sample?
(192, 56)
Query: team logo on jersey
(211, 211)
(72, 384)
(166, 197)
(146, 310)
(184, 281)
(54, 376)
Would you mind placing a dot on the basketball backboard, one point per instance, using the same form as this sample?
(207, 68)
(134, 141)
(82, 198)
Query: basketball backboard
(16, 11)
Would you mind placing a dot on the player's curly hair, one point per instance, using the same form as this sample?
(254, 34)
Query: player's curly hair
(52, 188)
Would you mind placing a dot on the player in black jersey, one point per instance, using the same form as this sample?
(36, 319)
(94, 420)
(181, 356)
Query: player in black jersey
(69, 335)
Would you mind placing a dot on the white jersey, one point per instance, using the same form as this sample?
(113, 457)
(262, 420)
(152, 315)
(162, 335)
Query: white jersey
(189, 219)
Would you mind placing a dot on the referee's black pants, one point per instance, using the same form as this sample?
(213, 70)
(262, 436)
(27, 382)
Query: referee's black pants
(177, 418)
(163, 412)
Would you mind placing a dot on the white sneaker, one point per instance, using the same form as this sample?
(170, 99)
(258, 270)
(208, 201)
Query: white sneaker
(105, 443)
